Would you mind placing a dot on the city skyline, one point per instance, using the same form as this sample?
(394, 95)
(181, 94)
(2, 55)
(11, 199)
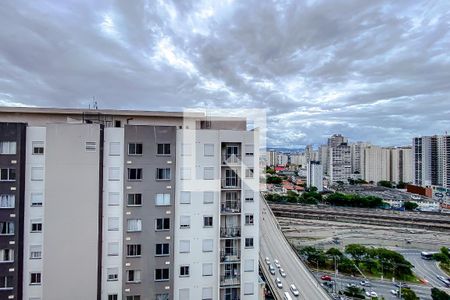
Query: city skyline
(319, 68)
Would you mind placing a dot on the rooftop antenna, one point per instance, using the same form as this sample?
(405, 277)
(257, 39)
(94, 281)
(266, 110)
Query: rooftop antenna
(94, 103)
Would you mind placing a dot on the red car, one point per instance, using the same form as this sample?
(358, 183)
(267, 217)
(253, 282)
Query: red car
(326, 277)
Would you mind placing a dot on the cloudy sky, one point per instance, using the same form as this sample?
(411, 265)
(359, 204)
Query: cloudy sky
(373, 70)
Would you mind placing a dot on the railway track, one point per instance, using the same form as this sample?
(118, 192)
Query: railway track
(436, 222)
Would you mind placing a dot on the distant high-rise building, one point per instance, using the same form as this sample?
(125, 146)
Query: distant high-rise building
(401, 164)
(340, 163)
(431, 156)
(272, 157)
(357, 153)
(376, 162)
(336, 140)
(323, 154)
(314, 175)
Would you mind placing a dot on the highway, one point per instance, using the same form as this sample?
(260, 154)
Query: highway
(274, 245)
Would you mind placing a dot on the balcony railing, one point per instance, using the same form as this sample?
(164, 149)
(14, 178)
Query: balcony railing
(230, 231)
(230, 206)
(230, 255)
(230, 280)
(231, 159)
(231, 183)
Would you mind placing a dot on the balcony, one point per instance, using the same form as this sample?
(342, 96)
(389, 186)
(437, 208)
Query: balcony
(231, 183)
(231, 159)
(230, 280)
(230, 255)
(230, 232)
(230, 207)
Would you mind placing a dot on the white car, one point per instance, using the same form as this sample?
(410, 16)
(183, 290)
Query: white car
(365, 283)
(277, 263)
(294, 290)
(394, 292)
(267, 261)
(272, 270)
(282, 273)
(373, 294)
(278, 282)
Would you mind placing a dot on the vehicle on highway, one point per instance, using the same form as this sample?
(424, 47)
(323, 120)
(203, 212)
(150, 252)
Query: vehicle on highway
(277, 263)
(365, 283)
(404, 285)
(279, 283)
(351, 285)
(427, 255)
(444, 280)
(282, 273)
(326, 277)
(371, 294)
(395, 292)
(286, 296)
(294, 290)
(267, 261)
(271, 269)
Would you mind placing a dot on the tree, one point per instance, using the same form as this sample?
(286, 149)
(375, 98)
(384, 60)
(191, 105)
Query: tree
(410, 205)
(274, 179)
(401, 185)
(409, 294)
(437, 294)
(356, 251)
(355, 292)
(385, 183)
(270, 170)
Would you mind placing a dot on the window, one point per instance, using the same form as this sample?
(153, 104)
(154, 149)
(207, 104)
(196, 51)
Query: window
(208, 149)
(38, 147)
(183, 294)
(113, 223)
(134, 174)
(134, 200)
(112, 274)
(6, 282)
(8, 147)
(113, 297)
(185, 221)
(133, 250)
(248, 288)
(248, 195)
(161, 274)
(113, 249)
(208, 173)
(249, 265)
(185, 197)
(36, 225)
(133, 276)
(249, 150)
(91, 146)
(6, 255)
(114, 148)
(162, 249)
(207, 269)
(248, 242)
(134, 225)
(134, 149)
(113, 199)
(134, 297)
(163, 224)
(249, 173)
(114, 174)
(163, 149)
(207, 221)
(185, 246)
(7, 174)
(207, 293)
(185, 173)
(37, 173)
(37, 199)
(162, 199)
(249, 219)
(207, 245)
(184, 271)
(35, 251)
(208, 197)
(6, 228)
(35, 278)
(163, 173)
(162, 297)
(186, 150)
(117, 123)
(7, 201)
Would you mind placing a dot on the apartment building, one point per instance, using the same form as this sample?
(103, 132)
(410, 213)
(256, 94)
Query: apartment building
(128, 205)
(314, 175)
(377, 164)
(340, 162)
(401, 165)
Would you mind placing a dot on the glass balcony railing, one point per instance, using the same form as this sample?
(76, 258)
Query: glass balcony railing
(230, 231)
(230, 255)
(231, 159)
(231, 183)
(230, 206)
(230, 280)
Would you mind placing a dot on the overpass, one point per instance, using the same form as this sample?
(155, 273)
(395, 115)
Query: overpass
(274, 245)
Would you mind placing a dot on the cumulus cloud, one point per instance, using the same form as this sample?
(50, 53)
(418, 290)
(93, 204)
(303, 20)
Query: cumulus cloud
(373, 70)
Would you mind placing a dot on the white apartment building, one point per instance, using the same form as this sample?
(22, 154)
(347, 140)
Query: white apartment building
(340, 163)
(402, 164)
(314, 175)
(377, 162)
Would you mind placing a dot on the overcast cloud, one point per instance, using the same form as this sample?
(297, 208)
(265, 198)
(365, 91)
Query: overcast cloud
(374, 71)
